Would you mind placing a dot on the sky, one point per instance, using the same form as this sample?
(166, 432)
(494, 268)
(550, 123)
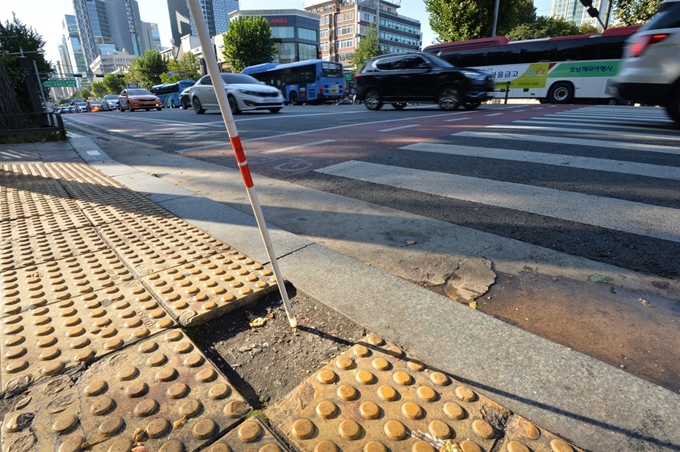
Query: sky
(45, 16)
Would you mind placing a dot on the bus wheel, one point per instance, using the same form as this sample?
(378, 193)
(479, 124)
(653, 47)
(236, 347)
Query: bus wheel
(561, 93)
(448, 99)
(293, 98)
(233, 105)
(471, 105)
(399, 105)
(172, 104)
(197, 106)
(373, 100)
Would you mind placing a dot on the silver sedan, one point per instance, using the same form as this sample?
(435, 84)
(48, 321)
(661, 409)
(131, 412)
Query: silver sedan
(244, 92)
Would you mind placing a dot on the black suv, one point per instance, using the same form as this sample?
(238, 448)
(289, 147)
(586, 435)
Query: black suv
(400, 78)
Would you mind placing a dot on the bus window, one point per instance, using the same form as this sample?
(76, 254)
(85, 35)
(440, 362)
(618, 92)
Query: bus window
(533, 52)
(577, 49)
(470, 58)
(502, 55)
(611, 48)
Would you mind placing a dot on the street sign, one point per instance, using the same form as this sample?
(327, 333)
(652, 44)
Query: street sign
(60, 83)
(171, 74)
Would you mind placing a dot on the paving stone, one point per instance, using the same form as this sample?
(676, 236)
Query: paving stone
(521, 435)
(251, 436)
(22, 227)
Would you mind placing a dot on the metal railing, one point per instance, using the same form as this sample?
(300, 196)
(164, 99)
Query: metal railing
(32, 124)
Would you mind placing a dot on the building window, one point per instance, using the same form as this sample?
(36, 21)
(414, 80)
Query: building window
(346, 30)
(349, 15)
(323, 33)
(307, 51)
(345, 43)
(283, 32)
(346, 56)
(307, 34)
(328, 19)
(324, 46)
(287, 52)
(368, 17)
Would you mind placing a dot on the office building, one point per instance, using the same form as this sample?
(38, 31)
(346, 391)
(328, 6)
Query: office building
(71, 51)
(215, 13)
(150, 37)
(296, 33)
(344, 22)
(112, 62)
(574, 11)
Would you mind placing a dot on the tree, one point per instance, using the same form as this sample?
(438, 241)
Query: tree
(472, 19)
(634, 12)
(16, 38)
(113, 83)
(99, 89)
(146, 70)
(543, 27)
(368, 47)
(188, 64)
(11, 116)
(248, 42)
(587, 29)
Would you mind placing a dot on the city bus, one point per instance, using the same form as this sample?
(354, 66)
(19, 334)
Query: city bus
(168, 93)
(553, 70)
(310, 81)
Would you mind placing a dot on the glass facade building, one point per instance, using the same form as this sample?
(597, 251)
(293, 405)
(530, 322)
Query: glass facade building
(215, 13)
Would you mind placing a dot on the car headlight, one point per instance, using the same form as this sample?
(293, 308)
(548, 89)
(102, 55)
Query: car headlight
(249, 93)
(474, 75)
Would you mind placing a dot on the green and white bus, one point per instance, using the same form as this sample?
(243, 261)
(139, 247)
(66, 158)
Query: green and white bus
(553, 70)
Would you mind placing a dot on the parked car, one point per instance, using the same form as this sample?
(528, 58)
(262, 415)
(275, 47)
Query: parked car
(402, 78)
(185, 98)
(138, 99)
(243, 92)
(110, 102)
(79, 104)
(94, 105)
(650, 70)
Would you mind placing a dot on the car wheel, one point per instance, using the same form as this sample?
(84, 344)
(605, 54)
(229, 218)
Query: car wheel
(448, 99)
(159, 108)
(275, 110)
(673, 106)
(233, 105)
(399, 105)
(471, 105)
(185, 104)
(293, 98)
(197, 106)
(131, 109)
(561, 93)
(372, 100)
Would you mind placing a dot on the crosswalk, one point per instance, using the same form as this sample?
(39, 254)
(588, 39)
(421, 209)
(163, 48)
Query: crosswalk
(600, 182)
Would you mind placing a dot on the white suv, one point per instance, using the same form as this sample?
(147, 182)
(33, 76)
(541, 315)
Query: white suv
(650, 70)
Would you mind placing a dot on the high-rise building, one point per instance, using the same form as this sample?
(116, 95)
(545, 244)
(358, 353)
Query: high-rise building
(150, 37)
(574, 11)
(71, 51)
(125, 25)
(215, 13)
(344, 22)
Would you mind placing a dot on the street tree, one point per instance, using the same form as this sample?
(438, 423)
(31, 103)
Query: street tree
(146, 70)
(18, 38)
(543, 27)
(11, 116)
(473, 19)
(113, 83)
(248, 42)
(588, 29)
(634, 12)
(99, 89)
(368, 47)
(186, 67)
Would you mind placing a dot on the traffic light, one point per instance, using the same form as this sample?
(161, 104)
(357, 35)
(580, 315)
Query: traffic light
(588, 4)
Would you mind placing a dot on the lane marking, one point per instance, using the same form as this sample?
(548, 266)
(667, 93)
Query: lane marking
(291, 148)
(610, 213)
(555, 121)
(455, 119)
(517, 111)
(494, 114)
(572, 141)
(399, 128)
(612, 166)
(618, 133)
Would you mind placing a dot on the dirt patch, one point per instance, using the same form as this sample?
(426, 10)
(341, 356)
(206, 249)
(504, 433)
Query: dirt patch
(266, 363)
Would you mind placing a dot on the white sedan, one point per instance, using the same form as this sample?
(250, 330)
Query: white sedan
(244, 92)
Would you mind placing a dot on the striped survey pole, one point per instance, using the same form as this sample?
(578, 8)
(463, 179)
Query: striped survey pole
(218, 84)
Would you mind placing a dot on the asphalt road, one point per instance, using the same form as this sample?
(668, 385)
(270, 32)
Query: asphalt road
(562, 220)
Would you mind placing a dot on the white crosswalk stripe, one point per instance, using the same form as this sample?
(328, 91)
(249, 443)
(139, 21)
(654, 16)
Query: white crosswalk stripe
(549, 141)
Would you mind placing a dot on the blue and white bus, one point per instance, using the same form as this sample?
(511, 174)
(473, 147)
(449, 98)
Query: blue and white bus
(168, 93)
(310, 81)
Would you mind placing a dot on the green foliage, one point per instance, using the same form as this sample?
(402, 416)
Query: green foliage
(38, 137)
(148, 68)
(187, 64)
(634, 12)
(84, 93)
(368, 47)
(18, 37)
(99, 89)
(113, 83)
(543, 27)
(587, 29)
(248, 42)
(473, 19)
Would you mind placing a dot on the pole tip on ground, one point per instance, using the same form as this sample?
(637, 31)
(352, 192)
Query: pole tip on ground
(292, 321)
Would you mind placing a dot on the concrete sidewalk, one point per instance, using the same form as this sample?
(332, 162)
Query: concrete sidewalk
(596, 406)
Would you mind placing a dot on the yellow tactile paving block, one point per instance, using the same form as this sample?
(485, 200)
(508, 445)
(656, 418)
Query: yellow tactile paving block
(121, 208)
(63, 220)
(209, 287)
(161, 395)
(44, 341)
(148, 245)
(521, 435)
(31, 202)
(21, 172)
(48, 247)
(39, 285)
(251, 436)
(79, 173)
(374, 398)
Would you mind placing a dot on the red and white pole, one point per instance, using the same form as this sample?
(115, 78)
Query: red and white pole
(218, 84)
